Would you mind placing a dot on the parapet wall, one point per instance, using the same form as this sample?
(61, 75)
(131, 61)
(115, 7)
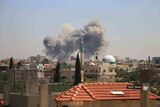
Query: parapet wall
(18, 100)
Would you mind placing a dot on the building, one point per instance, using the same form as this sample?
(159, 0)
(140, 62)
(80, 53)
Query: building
(4, 67)
(68, 74)
(101, 72)
(156, 60)
(49, 67)
(97, 71)
(34, 59)
(102, 95)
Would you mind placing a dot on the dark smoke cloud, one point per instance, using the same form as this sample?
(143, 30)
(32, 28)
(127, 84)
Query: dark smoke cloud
(68, 41)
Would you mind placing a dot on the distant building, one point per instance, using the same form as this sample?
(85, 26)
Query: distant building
(93, 71)
(49, 67)
(101, 72)
(4, 67)
(34, 59)
(156, 60)
(127, 64)
(68, 74)
(102, 95)
(20, 73)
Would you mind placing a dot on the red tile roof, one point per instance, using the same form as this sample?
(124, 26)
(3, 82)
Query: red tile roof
(101, 91)
(48, 65)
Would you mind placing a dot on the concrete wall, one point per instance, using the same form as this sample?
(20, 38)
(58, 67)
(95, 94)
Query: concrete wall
(118, 103)
(44, 95)
(109, 103)
(17, 100)
(75, 104)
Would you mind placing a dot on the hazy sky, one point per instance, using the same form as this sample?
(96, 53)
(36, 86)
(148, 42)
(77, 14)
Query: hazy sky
(132, 26)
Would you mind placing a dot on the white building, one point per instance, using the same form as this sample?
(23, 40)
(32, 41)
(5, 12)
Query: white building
(101, 71)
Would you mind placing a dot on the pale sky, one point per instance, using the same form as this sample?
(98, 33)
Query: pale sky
(132, 26)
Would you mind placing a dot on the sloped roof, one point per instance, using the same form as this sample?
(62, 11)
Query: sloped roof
(101, 91)
(49, 66)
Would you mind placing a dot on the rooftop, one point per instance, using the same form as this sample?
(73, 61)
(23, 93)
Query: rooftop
(101, 91)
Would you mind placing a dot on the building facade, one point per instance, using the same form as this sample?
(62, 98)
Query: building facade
(101, 72)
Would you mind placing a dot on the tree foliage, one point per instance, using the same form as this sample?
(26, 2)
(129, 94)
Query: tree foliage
(122, 73)
(77, 71)
(134, 76)
(45, 61)
(11, 63)
(4, 76)
(57, 72)
(18, 87)
(128, 76)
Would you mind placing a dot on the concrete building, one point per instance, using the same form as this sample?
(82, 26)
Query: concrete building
(156, 60)
(97, 71)
(3, 67)
(49, 67)
(102, 95)
(68, 74)
(101, 72)
(34, 59)
(127, 64)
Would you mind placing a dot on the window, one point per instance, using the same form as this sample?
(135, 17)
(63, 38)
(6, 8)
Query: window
(104, 70)
(73, 77)
(111, 70)
(65, 106)
(64, 77)
(117, 92)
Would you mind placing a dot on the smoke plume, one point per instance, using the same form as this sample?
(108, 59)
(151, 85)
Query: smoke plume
(68, 41)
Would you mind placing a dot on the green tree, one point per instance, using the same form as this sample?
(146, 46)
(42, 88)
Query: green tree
(134, 76)
(4, 76)
(121, 73)
(45, 61)
(57, 72)
(11, 63)
(18, 87)
(77, 71)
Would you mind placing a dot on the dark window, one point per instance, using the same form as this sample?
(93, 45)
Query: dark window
(64, 77)
(104, 70)
(65, 106)
(111, 70)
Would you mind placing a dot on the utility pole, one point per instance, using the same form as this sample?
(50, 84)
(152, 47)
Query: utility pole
(145, 85)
